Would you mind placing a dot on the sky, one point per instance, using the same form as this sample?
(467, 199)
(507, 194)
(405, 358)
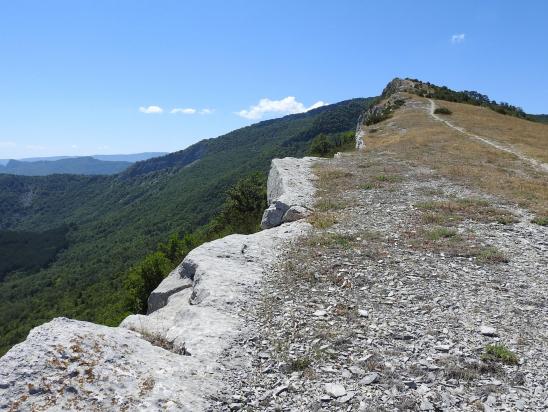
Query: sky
(103, 76)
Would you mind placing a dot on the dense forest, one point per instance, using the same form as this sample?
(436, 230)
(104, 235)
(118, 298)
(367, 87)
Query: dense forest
(115, 237)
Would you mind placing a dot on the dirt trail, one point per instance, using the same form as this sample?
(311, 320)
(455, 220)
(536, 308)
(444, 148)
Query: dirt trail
(539, 165)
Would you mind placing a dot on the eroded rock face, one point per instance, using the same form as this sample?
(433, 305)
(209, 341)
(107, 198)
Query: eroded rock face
(289, 195)
(170, 358)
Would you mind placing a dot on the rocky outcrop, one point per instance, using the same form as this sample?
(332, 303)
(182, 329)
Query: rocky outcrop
(398, 85)
(391, 99)
(288, 194)
(170, 358)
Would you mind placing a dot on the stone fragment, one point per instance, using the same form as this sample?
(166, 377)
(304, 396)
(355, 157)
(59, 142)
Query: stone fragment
(335, 390)
(363, 313)
(488, 331)
(369, 378)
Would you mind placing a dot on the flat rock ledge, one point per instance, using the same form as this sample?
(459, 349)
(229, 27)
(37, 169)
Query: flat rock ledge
(290, 197)
(168, 360)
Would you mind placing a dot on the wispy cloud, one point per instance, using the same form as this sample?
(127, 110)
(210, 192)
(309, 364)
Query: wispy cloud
(188, 110)
(457, 38)
(151, 109)
(287, 105)
(7, 144)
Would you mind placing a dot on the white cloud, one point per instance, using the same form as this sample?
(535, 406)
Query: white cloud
(207, 111)
(8, 144)
(151, 109)
(188, 110)
(287, 105)
(457, 38)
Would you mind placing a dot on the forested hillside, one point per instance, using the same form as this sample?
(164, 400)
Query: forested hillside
(110, 223)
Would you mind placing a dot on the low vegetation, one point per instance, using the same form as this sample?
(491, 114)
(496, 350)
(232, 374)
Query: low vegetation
(499, 353)
(382, 112)
(322, 220)
(441, 233)
(426, 89)
(442, 110)
(454, 210)
(540, 220)
(490, 255)
(326, 145)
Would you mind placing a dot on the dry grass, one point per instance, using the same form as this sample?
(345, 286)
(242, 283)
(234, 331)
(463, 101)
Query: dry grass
(528, 137)
(455, 210)
(430, 143)
(322, 220)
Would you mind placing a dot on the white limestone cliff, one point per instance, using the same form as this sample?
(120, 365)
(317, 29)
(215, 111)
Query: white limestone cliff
(170, 358)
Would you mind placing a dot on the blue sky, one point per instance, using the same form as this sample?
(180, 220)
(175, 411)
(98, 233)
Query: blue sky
(84, 77)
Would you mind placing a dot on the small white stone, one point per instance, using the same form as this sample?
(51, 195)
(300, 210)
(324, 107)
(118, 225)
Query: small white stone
(488, 330)
(335, 390)
(363, 313)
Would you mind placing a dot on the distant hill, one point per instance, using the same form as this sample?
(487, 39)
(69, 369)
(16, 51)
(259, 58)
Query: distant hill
(78, 166)
(83, 165)
(97, 227)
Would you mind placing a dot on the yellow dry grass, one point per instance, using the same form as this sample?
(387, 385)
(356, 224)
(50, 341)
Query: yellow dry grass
(412, 135)
(528, 137)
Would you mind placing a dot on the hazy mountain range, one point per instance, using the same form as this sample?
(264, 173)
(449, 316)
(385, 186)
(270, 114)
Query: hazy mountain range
(84, 165)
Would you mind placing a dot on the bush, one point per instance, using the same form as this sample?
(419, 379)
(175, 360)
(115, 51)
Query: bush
(144, 278)
(325, 145)
(321, 146)
(442, 110)
(499, 353)
(540, 220)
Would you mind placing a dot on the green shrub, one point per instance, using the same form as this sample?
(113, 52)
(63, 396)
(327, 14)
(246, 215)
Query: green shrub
(540, 220)
(499, 353)
(326, 145)
(491, 255)
(442, 110)
(144, 278)
(299, 364)
(441, 233)
(321, 146)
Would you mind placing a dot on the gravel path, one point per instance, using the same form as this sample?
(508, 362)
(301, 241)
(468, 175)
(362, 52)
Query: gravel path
(393, 308)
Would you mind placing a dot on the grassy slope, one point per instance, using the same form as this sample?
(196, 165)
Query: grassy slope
(468, 161)
(116, 220)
